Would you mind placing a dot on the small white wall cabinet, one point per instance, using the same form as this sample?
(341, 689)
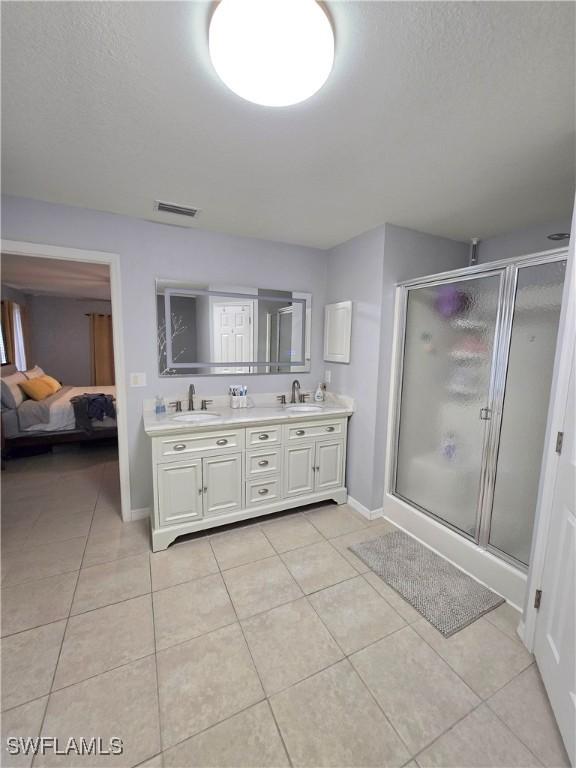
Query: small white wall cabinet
(210, 478)
(337, 332)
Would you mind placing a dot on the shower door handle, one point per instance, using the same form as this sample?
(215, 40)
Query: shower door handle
(485, 414)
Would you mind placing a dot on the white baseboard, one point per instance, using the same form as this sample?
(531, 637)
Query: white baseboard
(370, 514)
(140, 514)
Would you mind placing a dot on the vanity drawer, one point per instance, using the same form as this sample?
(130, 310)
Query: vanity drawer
(263, 436)
(201, 444)
(263, 491)
(314, 429)
(260, 463)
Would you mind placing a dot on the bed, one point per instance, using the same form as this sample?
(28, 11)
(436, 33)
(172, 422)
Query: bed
(27, 422)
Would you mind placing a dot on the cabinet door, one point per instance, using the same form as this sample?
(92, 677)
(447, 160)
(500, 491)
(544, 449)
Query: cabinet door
(329, 465)
(298, 472)
(222, 484)
(180, 492)
(337, 331)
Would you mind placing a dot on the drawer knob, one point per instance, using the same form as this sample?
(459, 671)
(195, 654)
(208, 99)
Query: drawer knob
(222, 441)
(329, 429)
(300, 432)
(263, 463)
(263, 436)
(180, 446)
(263, 491)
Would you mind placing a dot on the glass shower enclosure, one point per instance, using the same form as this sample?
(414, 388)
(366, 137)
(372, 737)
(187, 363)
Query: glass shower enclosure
(473, 382)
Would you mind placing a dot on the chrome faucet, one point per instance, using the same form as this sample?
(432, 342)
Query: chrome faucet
(295, 388)
(191, 393)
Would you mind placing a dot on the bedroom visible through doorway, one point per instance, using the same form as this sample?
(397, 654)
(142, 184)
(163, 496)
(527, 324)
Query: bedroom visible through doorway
(60, 478)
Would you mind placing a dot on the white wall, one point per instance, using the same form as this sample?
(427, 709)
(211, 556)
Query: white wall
(366, 270)
(60, 336)
(523, 241)
(149, 250)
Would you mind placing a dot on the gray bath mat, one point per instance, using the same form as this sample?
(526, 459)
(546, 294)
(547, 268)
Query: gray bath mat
(443, 594)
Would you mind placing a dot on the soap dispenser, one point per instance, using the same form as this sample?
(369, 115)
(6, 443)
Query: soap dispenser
(319, 394)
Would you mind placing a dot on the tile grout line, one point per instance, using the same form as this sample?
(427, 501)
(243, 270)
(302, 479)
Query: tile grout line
(49, 695)
(347, 658)
(239, 621)
(258, 614)
(182, 642)
(477, 706)
(156, 659)
(469, 686)
(266, 698)
(509, 729)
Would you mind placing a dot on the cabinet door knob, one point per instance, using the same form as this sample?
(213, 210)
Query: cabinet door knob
(263, 436)
(300, 432)
(263, 491)
(263, 463)
(222, 441)
(200, 491)
(180, 446)
(329, 429)
(205, 489)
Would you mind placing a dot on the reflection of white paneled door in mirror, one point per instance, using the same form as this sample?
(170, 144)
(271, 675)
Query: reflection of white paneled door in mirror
(337, 331)
(232, 333)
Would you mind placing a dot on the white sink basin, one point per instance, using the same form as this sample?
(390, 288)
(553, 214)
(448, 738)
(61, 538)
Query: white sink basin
(304, 408)
(196, 416)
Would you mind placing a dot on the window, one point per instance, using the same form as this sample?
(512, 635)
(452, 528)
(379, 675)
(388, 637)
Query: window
(3, 357)
(19, 350)
(13, 343)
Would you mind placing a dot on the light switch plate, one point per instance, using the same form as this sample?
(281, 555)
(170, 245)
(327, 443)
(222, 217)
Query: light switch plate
(327, 376)
(137, 379)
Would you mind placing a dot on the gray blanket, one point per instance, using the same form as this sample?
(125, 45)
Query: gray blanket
(32, 412)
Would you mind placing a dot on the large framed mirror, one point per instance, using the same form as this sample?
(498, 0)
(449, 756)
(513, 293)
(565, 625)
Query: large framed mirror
(223, 330)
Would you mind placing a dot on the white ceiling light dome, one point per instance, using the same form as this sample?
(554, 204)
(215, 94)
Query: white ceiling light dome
(272, 52)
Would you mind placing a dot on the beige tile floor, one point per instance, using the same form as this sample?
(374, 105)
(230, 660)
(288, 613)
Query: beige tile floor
(269, 644)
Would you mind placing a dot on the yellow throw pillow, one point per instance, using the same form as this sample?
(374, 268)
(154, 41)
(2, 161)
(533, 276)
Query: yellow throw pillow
(52, 383)
(37, 389)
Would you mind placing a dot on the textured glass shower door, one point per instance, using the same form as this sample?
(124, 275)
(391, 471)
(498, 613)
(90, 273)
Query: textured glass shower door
(537, 301)
(445, 399)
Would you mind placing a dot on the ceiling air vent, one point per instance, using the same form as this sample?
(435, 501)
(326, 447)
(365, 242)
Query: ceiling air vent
(180, 210)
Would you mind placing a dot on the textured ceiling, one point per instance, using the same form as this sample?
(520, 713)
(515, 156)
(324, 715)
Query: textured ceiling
(453, 118)
(53, 277)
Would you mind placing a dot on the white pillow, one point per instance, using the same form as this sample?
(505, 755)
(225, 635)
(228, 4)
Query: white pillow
(12, 395)
(34, 373)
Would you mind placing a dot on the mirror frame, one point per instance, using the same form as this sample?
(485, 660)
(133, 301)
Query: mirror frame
(168, 288)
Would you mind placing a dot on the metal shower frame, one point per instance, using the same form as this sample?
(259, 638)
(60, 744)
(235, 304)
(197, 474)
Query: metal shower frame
(507, 271)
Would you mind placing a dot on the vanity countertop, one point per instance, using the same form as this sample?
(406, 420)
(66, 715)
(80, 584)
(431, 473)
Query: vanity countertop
(242, 417)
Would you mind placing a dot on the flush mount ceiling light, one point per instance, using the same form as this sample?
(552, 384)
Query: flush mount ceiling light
(271, 52)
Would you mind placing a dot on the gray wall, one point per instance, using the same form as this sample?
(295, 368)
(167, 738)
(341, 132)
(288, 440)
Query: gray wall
(366, 270)
(60, 336)
(355, 272)
(523, 241)
(149, 250)
(11, 294)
